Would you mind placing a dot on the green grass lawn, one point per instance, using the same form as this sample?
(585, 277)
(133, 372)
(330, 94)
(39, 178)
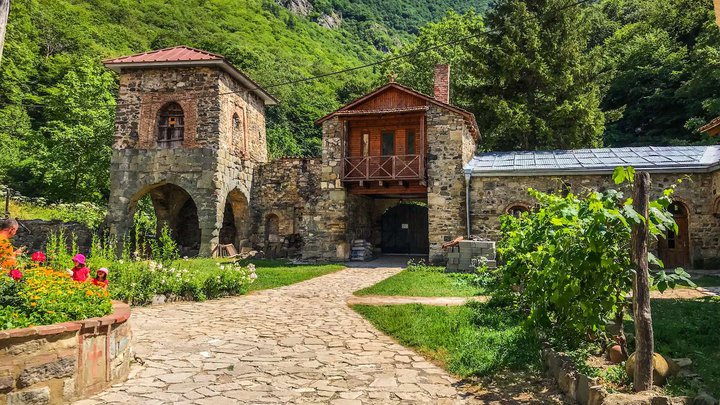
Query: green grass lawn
(689, 328)
(471, 340)
(271, 273)
(424, 283)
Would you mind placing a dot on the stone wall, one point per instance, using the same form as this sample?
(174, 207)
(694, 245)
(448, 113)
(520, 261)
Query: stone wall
(58, 363)
(491, 197)
(450, 147)
(285, 188)
(34, 234)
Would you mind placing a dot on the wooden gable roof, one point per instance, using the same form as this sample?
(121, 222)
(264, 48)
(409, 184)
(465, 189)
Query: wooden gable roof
(396, 98)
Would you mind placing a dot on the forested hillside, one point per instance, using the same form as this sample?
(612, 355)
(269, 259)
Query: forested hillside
(56, 99)
(549, 74)
(559, 74)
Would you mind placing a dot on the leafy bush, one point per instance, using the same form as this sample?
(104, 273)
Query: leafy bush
(45, 296)
(139, 282)
(570, 260)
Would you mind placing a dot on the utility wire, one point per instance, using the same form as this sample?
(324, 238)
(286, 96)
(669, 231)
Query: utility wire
(338, 72)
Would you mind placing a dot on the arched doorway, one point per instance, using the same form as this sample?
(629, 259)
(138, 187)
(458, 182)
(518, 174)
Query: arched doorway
(234, 223)
(405, 229)
(272, 227)
(175, 208)
(674, 248)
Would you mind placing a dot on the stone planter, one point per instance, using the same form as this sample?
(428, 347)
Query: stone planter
(58, 363)
(585, 390)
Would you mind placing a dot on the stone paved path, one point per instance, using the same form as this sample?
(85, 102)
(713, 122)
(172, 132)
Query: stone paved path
(401, 300)
(687, 293)
(296, 344)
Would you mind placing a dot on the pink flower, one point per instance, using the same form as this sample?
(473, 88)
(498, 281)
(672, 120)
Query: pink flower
(39, 257)
(15, 274)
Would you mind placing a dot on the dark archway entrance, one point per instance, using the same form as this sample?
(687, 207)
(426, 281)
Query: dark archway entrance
(234, 223)
(405, 229)
(175, 208)
(674, 249)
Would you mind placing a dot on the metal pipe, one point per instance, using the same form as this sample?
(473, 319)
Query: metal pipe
(467, 203)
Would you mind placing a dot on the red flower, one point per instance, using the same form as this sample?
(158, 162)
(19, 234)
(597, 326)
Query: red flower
(39, 257)
(15, 274)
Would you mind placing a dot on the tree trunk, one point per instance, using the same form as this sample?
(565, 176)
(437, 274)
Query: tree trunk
(4, 13)
(644, 345)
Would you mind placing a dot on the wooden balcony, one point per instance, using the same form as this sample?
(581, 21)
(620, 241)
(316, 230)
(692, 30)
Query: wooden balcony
(394, 167)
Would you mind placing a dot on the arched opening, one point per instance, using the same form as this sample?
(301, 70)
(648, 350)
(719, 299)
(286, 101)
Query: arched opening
(517, 209)
(272, 228)
(405, 229)
(170, 126)
(234, 222)
(166, 205)
(674, 248)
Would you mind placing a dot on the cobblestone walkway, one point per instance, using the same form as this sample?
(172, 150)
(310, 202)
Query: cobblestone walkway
(296, 344)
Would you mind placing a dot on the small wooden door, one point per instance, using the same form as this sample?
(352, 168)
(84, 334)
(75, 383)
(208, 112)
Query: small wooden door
(405, 229)
(674, 249)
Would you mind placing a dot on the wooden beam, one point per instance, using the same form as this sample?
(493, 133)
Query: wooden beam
(644, 344)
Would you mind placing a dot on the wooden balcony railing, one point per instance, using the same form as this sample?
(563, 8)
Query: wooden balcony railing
(395, 167)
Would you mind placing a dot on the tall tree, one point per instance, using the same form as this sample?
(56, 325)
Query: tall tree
(538, 84)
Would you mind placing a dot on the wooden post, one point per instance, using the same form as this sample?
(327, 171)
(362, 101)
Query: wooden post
(716, 3)
(644, 344)
(4, 13)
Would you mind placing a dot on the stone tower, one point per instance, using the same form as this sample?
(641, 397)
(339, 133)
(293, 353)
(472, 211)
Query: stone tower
(189, 131)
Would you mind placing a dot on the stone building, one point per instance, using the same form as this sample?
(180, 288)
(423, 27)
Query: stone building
(189, 131)
(398, 169)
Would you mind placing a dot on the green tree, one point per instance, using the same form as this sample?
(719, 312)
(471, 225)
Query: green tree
(538, 83)
(666, 71)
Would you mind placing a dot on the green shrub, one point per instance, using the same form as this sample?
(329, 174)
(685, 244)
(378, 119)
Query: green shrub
(570, 259)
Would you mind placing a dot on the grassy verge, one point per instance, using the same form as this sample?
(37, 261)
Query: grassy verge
(689, 328)
(273, 274)
(426, 283)
(472, 340)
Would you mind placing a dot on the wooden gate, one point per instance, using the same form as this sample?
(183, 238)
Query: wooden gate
(405, 229)
(674, 249)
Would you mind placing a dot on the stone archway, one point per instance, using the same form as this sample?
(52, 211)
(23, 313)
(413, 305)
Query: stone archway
(234, 227)
(175, 208)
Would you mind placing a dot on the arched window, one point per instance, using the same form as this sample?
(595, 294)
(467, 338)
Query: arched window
(517, 209)
(238, 133)
(171, 126)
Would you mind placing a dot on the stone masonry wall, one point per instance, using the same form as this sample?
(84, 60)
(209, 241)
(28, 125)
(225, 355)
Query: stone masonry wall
(34, 234)
(450, 147)
(325, 225)
(245, 137)
(56, 364)
(491, 197)
(283, 187)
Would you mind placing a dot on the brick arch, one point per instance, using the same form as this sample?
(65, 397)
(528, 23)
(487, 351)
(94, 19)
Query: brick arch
(149, 113)
(517, 205)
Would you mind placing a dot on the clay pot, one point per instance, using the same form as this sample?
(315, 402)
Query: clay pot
(615, 354)
(663, 368)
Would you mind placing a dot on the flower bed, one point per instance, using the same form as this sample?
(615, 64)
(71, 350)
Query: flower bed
(39, 295)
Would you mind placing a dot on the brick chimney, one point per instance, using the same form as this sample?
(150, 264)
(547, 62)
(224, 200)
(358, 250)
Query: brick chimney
(441, 89)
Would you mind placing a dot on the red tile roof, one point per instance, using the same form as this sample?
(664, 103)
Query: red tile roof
(185, 55)
(176, 54)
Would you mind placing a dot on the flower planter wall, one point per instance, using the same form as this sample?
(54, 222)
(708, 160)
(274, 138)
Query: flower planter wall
(57, 363)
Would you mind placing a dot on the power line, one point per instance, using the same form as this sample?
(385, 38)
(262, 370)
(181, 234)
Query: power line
(338, 72)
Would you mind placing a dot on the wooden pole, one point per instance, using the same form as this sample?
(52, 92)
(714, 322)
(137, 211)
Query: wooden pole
(716, 3)
(644, 344)
(4, 13)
